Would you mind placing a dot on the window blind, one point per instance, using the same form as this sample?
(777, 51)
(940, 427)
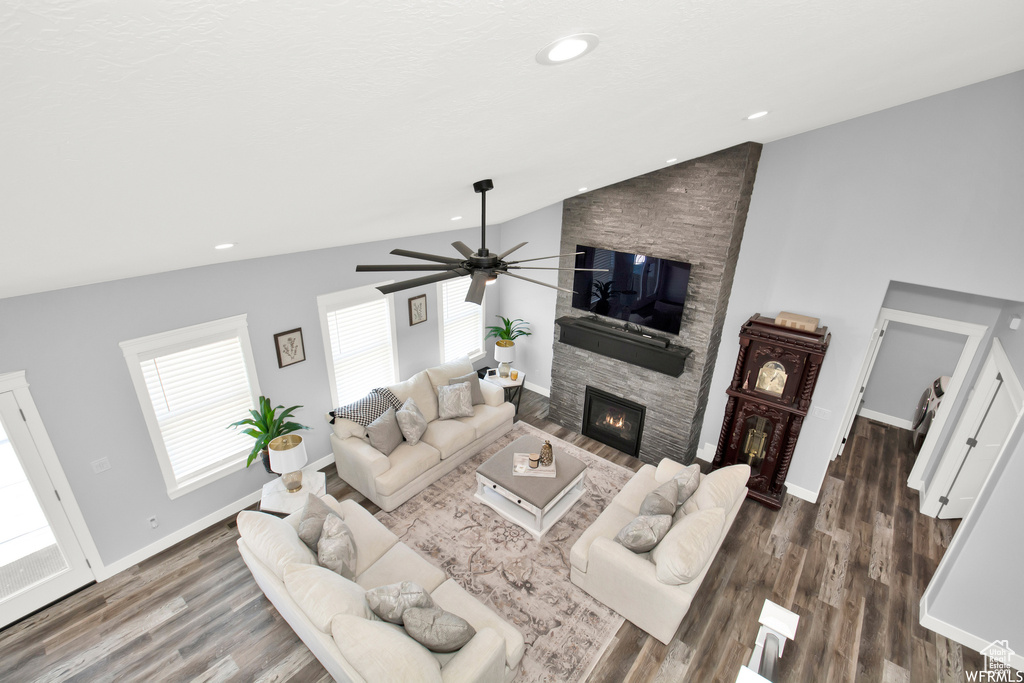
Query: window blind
(362, 348)
(196, 393)
(462, 329)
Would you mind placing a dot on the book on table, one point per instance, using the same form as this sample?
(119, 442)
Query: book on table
(521, 467)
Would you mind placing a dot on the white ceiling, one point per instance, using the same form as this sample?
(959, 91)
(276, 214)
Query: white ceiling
(137, 134)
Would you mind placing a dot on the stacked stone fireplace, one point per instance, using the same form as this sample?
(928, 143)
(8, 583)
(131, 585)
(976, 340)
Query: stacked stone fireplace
(693, 212)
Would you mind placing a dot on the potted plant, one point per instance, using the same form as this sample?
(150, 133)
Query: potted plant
(504, 348)
(265, 425)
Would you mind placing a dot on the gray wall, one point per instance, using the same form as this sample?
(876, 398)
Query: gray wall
(67, 341)
(909, 359)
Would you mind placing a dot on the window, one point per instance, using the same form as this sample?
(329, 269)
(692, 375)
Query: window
(192, 383)
(462, 323)
(359, 334)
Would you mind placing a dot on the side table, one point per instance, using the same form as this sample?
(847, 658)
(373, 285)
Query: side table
(277, 499)
(513, 387)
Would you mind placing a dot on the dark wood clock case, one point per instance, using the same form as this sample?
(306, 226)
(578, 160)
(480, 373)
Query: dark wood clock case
(769, 397)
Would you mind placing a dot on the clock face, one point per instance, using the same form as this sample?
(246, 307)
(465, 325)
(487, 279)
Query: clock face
(772, 378)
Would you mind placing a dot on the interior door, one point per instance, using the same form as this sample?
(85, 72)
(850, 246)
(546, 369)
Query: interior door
(862, 380)
(40, 558)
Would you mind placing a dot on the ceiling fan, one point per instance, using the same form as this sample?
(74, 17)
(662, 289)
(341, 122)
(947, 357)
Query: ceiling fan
(482, 265)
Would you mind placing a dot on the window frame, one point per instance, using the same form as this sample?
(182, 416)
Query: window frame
(136, 351)
(347, 298)
(441, 322)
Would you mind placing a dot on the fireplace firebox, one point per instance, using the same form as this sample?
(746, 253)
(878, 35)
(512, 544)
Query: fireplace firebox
(613, 420)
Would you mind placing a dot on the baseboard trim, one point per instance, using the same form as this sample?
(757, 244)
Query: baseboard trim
(802, 493)
(885, 419)
(961, 636)
(127, 562)
(706, 452)
(538, 388)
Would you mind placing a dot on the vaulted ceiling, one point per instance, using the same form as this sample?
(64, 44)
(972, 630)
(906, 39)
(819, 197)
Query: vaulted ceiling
(137, 134)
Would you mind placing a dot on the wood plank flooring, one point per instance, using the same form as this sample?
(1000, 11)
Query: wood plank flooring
(853, 567)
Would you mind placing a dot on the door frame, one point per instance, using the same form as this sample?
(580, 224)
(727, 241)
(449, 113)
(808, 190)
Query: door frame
(985, 386)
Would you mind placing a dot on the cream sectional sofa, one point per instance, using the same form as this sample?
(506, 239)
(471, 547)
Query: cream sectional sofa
(390, 480)
(350, 643)
(631, 583)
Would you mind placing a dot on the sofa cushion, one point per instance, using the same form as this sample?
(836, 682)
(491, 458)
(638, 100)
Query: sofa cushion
(607, 525)
(407, 463)
(644, 532)
(321, 594)
(454, 598)
(390, 601)
(411, 421)
(488, 418)
(688, 481)
(385, 434)
(454, 400)
(368, 408)
(720, 489)
(398, 564)
(662, 500)
(273, 540)
(436, 629)
(440, 374)
(311, 521)
(637, 488)
(473, 380)
(378, 652)
(449, 436)
(337, 548)
(372, 538)
(419, 389)
(688, 546)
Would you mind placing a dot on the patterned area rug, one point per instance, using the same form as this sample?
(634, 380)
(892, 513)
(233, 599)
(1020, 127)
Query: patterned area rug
(525, 581)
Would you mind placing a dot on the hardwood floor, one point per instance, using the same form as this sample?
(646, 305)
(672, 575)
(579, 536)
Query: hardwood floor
(853, 567)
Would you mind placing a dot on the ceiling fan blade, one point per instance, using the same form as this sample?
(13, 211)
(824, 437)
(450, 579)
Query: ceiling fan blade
(595, 270)
(541, 258)
(536, 282)
(464, 249)
(506, 253)
(406, 267)
(420, 281)
(475, 295)
(425, 257)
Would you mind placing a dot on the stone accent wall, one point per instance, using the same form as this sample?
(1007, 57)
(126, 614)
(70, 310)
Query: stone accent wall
(693, 212)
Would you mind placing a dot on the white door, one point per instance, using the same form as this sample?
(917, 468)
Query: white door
(862, 380)
(40, 558)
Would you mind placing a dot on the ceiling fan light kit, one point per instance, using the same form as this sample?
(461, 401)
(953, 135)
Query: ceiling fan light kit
(482, 265)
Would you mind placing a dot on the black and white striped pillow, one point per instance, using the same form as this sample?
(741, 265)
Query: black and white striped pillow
(369, 407)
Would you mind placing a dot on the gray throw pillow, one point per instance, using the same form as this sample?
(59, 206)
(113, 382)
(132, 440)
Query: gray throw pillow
(644, 532)
(337, 548)
(474, 386)
(662, 500)
(437, 630)
(454, 400)
(390, 602)
(411, 422)
(688, 480)
(384, 432)
(311, 523)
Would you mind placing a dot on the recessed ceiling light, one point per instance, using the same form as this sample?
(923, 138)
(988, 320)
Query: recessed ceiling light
(566, 49)
(757, 115)
(582, 189)
(671, 161)
(226, 245)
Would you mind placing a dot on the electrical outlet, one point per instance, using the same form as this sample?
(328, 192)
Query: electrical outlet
(101, 465)
(153, 522)
(821, 413)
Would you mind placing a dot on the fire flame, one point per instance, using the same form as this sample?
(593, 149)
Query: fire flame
(613, 422)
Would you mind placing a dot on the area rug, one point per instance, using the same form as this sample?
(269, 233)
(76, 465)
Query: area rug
(525, 581)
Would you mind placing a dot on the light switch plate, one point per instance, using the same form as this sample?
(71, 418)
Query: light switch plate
(101, 465)
(821, 413)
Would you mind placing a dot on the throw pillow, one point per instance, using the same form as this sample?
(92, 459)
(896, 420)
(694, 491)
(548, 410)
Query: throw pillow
(436, 629)
(720, 489)
(321, 594)
(379, 652)
(440, 374)
(273, 541)
(474, 386)
(688, 547)
(688, 480)
(311, 523)
(385, 434)
(455, 400)
(662, 500)
(368, 408)
(644, 532)
(390, 602)
(411, 422)
(337, 548)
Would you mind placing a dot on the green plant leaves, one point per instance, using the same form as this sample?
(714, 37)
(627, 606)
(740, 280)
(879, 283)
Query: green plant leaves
(509, 329)
(266, 425)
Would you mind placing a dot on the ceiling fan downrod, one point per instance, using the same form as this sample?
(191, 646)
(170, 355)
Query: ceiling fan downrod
(481, 187)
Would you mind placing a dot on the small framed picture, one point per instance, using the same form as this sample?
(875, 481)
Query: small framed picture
(418, 309)
(290, 349)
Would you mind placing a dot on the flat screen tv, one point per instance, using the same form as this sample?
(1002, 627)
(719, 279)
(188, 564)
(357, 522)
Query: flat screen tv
(639, 289)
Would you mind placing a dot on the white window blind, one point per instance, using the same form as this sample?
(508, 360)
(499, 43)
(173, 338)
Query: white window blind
(361, 337)
(462, 323)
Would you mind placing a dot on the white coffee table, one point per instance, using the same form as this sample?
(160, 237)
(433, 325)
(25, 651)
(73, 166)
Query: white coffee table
(277, 499)
(534, 503)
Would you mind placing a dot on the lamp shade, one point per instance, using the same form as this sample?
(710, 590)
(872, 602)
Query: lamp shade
(287, 453)
(504, 354)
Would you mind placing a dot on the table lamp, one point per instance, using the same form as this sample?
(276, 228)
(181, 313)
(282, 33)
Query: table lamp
(287, 457)
(504, 354)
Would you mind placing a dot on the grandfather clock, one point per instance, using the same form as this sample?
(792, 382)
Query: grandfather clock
(769, 397)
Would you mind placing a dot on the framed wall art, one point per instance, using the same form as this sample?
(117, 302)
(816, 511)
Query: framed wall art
(418, 309)
(290, 349)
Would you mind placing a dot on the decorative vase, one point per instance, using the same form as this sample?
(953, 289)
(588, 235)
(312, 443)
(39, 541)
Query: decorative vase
(547, 456)
(504, 353)
(265, 457)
